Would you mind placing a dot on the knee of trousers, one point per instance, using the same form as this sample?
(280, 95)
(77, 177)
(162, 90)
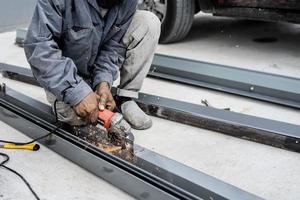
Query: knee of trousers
(153, 25)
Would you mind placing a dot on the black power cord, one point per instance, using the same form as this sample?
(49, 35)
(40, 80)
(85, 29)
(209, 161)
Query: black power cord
(17, 173)
(34, 140)
(6, 157)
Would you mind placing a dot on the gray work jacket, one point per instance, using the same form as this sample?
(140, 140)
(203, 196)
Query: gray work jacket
(69, 40)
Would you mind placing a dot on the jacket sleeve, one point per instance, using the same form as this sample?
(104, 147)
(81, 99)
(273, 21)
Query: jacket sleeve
(113, 51)
(54, 72)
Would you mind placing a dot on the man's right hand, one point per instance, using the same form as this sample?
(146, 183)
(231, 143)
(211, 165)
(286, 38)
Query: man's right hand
(88, 108)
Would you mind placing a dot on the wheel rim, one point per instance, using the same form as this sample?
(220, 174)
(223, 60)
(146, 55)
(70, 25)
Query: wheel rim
(158, 7)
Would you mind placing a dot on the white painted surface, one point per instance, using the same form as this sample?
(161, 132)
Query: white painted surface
(266, 171)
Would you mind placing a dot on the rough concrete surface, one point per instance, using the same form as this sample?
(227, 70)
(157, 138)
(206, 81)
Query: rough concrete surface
(263, 170)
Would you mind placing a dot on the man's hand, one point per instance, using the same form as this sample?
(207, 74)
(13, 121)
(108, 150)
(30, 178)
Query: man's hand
(88, 108)
(106, 99)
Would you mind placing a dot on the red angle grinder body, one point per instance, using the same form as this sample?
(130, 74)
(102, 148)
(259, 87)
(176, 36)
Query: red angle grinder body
(105, 117)
(117, 127)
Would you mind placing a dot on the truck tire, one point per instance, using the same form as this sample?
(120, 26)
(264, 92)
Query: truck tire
(177, 17)
(178, 21)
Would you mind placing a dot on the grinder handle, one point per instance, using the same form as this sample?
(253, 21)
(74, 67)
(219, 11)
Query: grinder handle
(105, 116)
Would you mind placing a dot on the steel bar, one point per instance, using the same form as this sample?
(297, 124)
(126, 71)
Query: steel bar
(18, 73)
(261, 130)
(258, 85)
(272, 88)
(151, 176)
(257, 129)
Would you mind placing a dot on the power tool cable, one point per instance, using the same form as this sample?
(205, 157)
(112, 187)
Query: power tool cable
(17, 173)
(6, 157)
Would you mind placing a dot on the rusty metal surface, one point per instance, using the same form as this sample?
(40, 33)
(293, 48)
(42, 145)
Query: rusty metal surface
(261, 130)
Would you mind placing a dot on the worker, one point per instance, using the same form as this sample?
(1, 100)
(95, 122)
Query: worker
(77, 49)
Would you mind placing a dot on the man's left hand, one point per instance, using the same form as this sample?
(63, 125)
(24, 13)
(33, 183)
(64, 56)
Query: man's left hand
(106, 99)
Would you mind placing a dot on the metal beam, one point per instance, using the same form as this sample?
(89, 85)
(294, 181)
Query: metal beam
(274, 133)
(100, 167)
(18, 73)
(272, 88)
(266, 131)
(258, 85)
(150, 176)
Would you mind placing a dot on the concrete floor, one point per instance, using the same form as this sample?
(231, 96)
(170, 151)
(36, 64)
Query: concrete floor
(266, 171)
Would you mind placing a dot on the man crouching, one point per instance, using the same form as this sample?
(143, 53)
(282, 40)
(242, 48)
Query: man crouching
(77, 48)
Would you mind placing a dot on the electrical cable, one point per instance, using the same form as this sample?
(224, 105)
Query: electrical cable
(42, 137)
(34, 140)
(6, 157)
(17, 173)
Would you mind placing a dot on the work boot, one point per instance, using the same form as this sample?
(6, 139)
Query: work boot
(134, 115)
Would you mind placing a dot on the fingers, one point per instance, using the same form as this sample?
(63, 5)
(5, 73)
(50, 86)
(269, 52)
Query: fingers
(80, 112)
(111, 104)
(90, 116)
(94, 117)
(97, 97)
(88, 108)
(105, 96)
(103, 101)
(94, 111)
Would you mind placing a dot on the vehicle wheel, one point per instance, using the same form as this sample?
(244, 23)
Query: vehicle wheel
(176, 17)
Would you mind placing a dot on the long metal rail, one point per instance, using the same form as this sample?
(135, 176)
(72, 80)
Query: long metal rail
(149, 176)
(266, 131)
(272, 88)
(261, 130)
(258, 85)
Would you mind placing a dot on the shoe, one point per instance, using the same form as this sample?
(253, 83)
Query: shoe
(134, 115)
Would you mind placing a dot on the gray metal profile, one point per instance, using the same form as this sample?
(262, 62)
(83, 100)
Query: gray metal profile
(258, 85)
(18, 73)
(261, 130)
(272, 88)
(266, 131)
(151, 176)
